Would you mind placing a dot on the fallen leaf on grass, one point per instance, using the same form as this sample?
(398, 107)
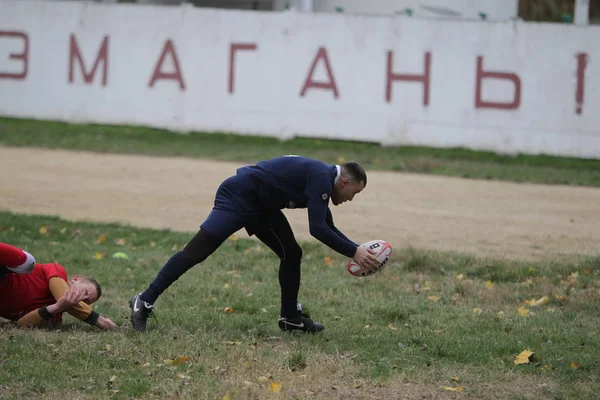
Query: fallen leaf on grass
(328, 261)
(275, 387)
(177, 361)
(523, 312)
(523, 357)
(98, 256)
(228, 309)
(453, 389)
(538, 302)
(433, 298)
(572, 278)
(528, 282)
(575, 365)
(227, 397)
(76, 233)
(570, 281)
(110, 385)
(455, 379)
(43, 230)
(120, 242)
(101, 239)
(489, 284)
(477, 310)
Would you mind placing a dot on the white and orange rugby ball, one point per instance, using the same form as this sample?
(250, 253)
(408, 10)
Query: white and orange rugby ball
(383, 252)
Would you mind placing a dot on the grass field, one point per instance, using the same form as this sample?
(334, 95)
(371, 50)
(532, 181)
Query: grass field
(430, 326)
(218, 146)
(427, 322)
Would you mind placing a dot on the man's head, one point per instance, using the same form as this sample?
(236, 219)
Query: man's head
(352, 181)
(90, 286)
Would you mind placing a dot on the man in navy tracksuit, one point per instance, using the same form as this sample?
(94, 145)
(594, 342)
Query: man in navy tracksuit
(253, 199)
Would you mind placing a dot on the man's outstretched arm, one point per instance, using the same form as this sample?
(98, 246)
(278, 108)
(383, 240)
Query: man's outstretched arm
(41, 315)
(79, 309)
(82, 311)
(322, 231)
(329, 221)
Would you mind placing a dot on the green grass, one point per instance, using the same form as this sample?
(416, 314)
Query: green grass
(385, 336)
(218, 146)
(428, 321)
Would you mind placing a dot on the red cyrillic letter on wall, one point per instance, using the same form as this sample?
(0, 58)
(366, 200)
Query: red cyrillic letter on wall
(102, 56)
(309, 83)
(581, 64)
(24, 56)
(425, 78)
(481, 74)
(158, 74)
(233, 48)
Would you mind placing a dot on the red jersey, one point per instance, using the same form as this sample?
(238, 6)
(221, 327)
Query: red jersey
(22, 293)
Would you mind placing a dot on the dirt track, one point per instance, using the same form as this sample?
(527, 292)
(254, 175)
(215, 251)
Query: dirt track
(492, 219)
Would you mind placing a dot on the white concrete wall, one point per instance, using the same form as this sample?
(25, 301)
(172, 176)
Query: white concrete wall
(271, 91)
(496, 10)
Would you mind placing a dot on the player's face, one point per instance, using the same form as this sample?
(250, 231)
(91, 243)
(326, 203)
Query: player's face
(345, 190)
(91, 293)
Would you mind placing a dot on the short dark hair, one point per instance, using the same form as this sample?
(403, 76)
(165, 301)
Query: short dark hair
(354, 171)
(95, 283)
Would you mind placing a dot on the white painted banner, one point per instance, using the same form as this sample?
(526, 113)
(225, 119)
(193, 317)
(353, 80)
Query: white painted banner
(502, 86)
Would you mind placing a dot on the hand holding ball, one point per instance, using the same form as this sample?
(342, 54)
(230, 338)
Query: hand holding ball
(381, 250)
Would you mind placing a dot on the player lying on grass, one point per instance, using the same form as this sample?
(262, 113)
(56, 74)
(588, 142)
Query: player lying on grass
(253, 199)
(36, 294)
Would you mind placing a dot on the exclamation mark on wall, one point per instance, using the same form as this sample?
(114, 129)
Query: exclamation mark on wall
(579, 92)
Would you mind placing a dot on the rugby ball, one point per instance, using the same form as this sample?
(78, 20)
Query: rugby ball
(383, 252)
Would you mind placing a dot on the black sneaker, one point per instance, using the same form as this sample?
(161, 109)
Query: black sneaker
(140, 312)
(301, 323)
